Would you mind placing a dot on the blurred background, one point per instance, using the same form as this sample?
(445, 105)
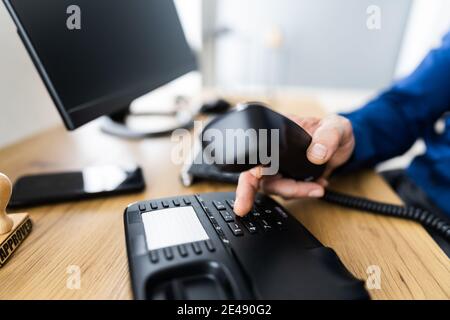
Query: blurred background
(338, 52)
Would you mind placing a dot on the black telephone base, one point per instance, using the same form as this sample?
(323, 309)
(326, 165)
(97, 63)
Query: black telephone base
(267, 255)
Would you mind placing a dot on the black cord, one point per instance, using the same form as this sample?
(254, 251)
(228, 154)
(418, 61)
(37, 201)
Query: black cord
(424, 217)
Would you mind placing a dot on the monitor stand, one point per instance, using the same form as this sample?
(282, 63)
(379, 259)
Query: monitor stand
(157, 124)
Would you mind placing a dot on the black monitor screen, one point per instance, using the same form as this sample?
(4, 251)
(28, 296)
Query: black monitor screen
(96, 56)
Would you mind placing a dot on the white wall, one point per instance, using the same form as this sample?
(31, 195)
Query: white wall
(190, 12)
(428, 22)
(314, 43)
(25, 106)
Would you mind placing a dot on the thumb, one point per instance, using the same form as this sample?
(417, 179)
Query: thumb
(325, 140)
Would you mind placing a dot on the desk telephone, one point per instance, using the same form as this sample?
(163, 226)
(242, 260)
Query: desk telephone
(195, 247)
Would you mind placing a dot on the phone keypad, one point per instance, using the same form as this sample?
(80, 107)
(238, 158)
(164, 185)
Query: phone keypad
(259, 220)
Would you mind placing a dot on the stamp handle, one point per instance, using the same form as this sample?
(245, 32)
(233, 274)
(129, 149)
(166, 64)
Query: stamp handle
(6, 223)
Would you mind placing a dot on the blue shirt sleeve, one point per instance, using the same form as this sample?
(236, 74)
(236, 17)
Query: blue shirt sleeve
(388, 125)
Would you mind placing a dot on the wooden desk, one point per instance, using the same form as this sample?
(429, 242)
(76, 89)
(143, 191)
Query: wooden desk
(90, 234)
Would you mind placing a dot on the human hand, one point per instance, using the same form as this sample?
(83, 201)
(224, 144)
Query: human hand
(332, 143)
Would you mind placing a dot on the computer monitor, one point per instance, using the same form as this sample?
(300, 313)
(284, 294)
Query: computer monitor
(96, 56)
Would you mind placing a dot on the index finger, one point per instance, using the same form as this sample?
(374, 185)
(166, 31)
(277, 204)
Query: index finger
(247, 188)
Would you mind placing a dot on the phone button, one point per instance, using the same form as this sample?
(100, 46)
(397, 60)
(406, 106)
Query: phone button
(154, 205)
(236, 229)
(209, 245)
(251, 226)
(165, 204)
(219, 205)
(231, 203)
(266, 225)
(182, 250)
(168, 253)
(228, 217)
(154, 256)
(281, 212)
(196, 248)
